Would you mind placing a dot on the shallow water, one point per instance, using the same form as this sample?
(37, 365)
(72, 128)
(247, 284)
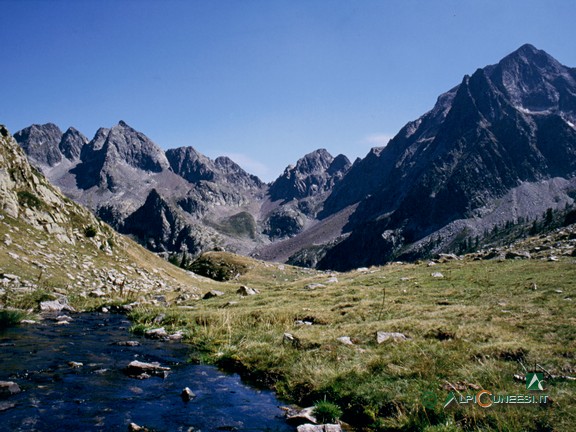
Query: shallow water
(99, 397)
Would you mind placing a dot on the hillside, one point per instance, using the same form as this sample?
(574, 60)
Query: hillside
(50, 247)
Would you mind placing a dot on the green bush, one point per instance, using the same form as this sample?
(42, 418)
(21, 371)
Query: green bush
(90, 231)
(9, 317)
(326, 412)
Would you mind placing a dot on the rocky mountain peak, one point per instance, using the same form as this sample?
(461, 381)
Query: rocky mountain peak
(313, 174)
(135, 148)
(190, 164)
(71, 143)
(534, 80)
(41, 142)
(193, 166)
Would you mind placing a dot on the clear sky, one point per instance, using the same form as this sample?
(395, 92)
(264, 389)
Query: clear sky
(262, 81)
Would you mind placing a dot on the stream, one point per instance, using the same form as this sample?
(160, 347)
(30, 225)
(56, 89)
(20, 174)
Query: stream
(97, 396)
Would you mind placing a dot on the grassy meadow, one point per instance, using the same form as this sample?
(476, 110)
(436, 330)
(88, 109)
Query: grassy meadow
(474, 328)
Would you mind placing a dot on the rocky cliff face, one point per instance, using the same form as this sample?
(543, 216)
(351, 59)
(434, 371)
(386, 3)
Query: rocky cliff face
(314, 174)
(504, 125)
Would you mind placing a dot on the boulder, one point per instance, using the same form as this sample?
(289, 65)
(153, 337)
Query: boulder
(345, 340)
(247, 291)
(157, 333)
(187, 395)
(437, 275)
(304, 416)
(97, 293)
(517, 255)
(142, 370)
(56, 305)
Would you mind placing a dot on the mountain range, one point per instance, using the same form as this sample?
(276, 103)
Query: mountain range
(498, 148)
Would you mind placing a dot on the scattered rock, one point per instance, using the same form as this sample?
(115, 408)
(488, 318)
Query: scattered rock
(157, 333)
(75, 365)
(230, 303)
(314, 286)
(176, 336)
(431, 264)
(127, 343)
(187, 395)
(159, 318)
(333, 279)
(301, 323)
(56, 305)
(382, 337)
(213, 293)
(437, 275)
(304, 416)
(513, 254)
(133, 427)
(27, 322)
(345, 340)
(247, 291)
(289, 338)
(319, 428)
(8, 388)
(97, 293)
(5, 405)
(142, 370)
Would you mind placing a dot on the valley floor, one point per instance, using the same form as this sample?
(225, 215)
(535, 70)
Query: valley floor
(468, 325)
(446, 328)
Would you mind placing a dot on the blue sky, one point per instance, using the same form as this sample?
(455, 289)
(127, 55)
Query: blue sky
(263, 81)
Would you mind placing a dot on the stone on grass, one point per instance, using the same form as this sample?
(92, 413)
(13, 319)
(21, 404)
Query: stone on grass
(247, 291)
(213, 293)
(157, 333)
(314, 286)
(56, 305)
(437, 275)
(382, 337)
(345, 340)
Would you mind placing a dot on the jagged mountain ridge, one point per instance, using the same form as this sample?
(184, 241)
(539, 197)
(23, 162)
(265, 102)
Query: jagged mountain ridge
(498, 147)
(504, 126)
(178, 200)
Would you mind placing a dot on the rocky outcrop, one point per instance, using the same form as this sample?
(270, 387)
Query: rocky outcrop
(159, 225)
(314, 174)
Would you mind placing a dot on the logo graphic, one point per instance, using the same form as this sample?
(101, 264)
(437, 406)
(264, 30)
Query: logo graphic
(534, 381)
(429, 399)
(449, 399)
